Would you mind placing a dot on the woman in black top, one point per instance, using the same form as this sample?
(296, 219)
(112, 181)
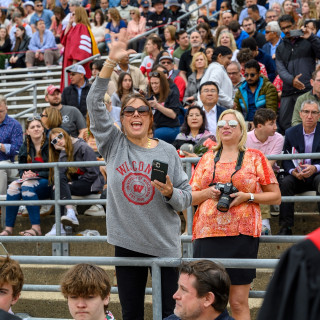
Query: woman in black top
(5, 45)
(166, 106)
(17, 60)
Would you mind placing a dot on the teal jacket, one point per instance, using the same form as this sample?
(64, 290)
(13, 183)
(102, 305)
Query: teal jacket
(266, 96)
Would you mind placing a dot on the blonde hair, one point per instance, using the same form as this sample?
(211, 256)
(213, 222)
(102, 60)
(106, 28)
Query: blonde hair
(233, 45)
(242, 123)
(195, 56)
(81, 16)
(137, 12)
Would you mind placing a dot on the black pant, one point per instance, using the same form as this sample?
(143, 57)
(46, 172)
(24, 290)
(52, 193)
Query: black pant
(291, 186)
(286, 111)
(132, 283)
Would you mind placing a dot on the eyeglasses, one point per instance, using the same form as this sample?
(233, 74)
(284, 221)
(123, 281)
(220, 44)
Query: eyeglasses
(43, 115)
(132, 13)
(268, 31)
(39, 5)
(142, 111)
(232, 123)
(36, 117)
(250, 75)
(209, 90)
(57, 138)
(307, 112)
(154, 74)
(166, 62)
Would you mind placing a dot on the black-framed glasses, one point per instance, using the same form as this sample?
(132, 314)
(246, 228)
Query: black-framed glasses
(142, 111)
(232, 123)
(39, 5)
(57, 138)
(35, 117)
(251, 75)
(154, 74)
(43, 115)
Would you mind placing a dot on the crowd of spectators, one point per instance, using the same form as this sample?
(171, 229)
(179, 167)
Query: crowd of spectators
(252, 69)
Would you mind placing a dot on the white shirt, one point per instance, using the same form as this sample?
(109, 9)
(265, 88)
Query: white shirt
(211, 120)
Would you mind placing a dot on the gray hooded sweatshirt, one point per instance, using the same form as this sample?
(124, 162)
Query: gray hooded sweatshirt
(139, 218)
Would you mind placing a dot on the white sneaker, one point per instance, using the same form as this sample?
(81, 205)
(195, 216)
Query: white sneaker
(70, 219)
(53, 232)
(95, 210)
(46, 209)
(23, 211)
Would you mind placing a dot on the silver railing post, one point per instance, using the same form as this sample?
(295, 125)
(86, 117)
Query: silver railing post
(156, 292)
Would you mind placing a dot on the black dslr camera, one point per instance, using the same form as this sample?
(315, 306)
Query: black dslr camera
(226, 189)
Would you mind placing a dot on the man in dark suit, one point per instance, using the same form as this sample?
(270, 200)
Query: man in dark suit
(305, 138)
(209, 95)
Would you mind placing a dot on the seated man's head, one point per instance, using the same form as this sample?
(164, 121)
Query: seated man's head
(209, 94)
(11, 282)
(234, 72)
(252, 72)
(203, 290)
(87, 288)
(273, 31)
(264, 121)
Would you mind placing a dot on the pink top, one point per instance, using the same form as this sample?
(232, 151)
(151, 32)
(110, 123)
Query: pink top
(273, 145)
(134, 29)
(243, 219)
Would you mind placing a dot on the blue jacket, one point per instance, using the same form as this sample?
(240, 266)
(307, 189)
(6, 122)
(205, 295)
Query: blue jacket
(243, 35)
(266, 96)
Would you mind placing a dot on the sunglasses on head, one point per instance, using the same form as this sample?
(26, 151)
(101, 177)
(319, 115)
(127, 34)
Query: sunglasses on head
(142, 111)
(154, 74)
(36, 117)
(43, 115)
(231, 123)
(57, 138)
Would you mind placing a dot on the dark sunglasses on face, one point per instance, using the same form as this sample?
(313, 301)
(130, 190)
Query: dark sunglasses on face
(36, 117)
(251, 75)
(129, 111)
(57, 138)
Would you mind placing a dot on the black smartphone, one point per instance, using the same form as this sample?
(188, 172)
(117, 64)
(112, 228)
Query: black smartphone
(150, 98)
(296, 33)
(159, 171)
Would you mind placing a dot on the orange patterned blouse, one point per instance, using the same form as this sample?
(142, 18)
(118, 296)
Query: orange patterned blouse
(242, 219)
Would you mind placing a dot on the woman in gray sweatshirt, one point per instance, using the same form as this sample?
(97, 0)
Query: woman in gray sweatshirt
(142, 219)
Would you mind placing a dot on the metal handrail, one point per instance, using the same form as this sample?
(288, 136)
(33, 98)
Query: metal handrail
(66, 79)
(34, 92)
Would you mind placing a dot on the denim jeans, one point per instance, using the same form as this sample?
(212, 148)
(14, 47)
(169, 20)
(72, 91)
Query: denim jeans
(28, 190)
(166, 134)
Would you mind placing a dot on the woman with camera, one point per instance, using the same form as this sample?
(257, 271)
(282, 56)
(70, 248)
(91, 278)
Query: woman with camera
(228, 185)
(142, 219)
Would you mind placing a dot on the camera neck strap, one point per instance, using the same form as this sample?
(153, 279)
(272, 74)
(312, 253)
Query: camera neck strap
(238, 165)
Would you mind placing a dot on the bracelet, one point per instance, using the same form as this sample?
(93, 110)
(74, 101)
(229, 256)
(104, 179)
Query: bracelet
(112, 61)
(107, 64)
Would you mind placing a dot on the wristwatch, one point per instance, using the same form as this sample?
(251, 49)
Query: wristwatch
(251, 197)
